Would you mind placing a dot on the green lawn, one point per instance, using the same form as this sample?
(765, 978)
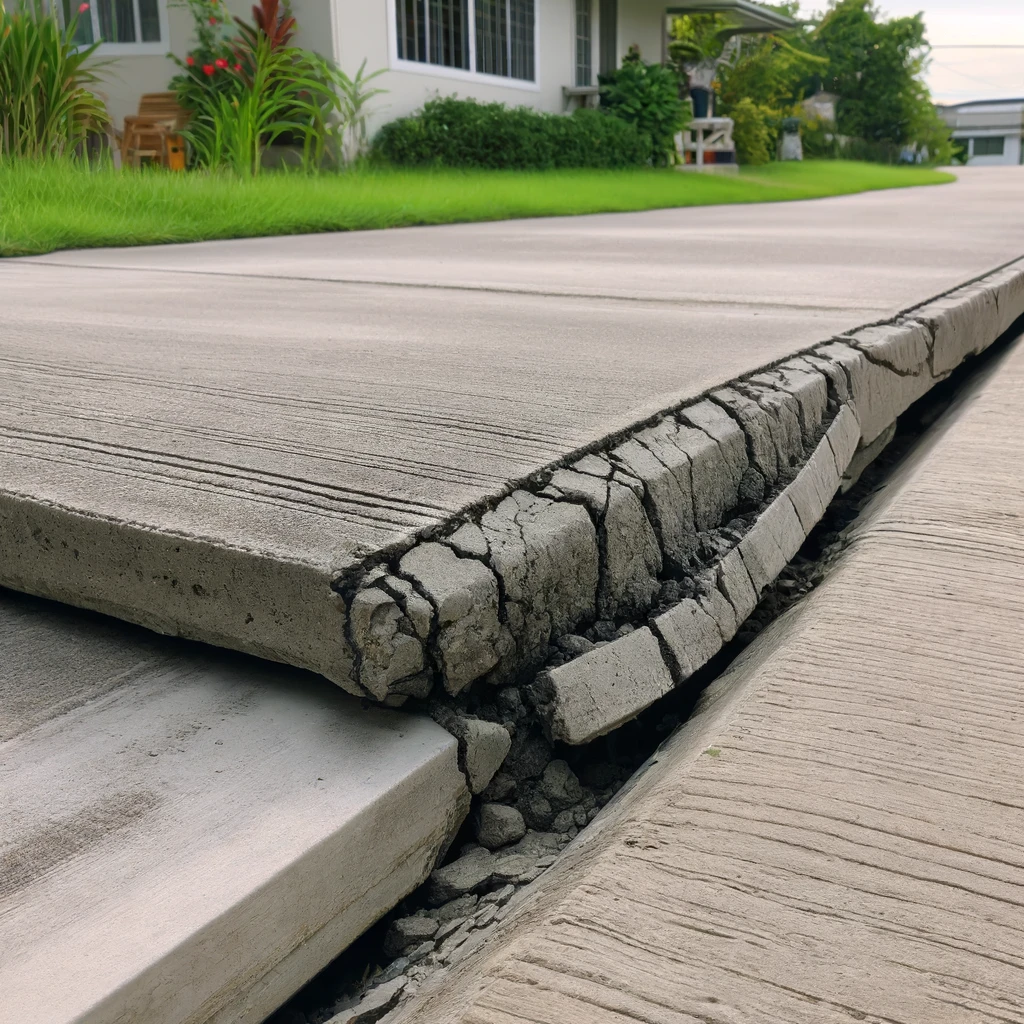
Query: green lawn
(57, 206)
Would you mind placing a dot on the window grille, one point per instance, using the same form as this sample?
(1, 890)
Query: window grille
(434, 32)
(440, 32)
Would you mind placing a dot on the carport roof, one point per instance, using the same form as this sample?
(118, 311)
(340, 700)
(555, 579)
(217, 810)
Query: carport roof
(749, 15)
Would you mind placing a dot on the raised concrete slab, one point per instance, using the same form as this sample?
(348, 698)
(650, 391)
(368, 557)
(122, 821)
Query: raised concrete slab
(835, 835)
(214, 466)
(188, 836)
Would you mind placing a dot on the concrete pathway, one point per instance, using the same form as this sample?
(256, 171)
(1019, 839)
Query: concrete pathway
(281, 408)
(836, 834)
(190, 835)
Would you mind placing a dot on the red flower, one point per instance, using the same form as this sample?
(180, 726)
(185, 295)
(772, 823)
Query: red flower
(238, 67)
(213, 20)
(82, 8)
(190, 61)
(221, 62)
(208, 69)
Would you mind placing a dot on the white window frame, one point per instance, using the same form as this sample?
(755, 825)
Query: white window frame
(137, 49)
(417, 67)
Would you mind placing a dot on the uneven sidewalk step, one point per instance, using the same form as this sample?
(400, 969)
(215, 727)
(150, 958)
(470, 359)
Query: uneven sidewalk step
(835, 834)
(188, 835)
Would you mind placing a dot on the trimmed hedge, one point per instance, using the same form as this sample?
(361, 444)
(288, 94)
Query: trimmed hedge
(451, 132)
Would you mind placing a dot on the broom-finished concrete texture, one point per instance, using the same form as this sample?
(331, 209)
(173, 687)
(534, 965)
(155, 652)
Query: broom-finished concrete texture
(187, 835)
(212, 460)
(835, 835)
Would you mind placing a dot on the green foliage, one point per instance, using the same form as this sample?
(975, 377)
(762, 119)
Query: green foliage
(876, 68)
(752, 133)
(450, 132)
(354, 96)
(47, 108)
(648, 97)
(279, 90)
(698, 38)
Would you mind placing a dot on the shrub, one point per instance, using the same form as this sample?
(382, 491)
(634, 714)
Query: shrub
(450, 132)
(646, 96)
(46, 106)
(752, 132)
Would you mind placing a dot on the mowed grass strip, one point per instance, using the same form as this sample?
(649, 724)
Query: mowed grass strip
(64, 206)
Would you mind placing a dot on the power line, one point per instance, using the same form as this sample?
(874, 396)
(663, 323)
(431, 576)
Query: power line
(978, 46)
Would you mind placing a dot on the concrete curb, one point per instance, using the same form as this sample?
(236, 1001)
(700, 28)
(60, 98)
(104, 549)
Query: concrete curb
(596, 538)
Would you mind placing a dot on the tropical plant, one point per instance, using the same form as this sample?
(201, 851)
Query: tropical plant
(698, 39)
(354, 95)
(280, 93)
(47, 108)
(647, 96)
(273, 20)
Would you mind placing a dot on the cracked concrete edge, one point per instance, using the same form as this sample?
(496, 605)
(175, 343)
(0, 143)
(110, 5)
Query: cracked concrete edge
(593, 539)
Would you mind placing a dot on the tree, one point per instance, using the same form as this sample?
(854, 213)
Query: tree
(875, 67)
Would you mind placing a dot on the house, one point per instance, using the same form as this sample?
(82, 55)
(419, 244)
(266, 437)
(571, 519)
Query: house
(990, 130)
(537, 53)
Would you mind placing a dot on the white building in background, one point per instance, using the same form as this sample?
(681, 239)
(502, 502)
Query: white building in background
(521, 52)
(991, 130)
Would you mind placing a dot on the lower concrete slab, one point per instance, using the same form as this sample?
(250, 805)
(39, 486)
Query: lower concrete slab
(187, 836)
(835, 835)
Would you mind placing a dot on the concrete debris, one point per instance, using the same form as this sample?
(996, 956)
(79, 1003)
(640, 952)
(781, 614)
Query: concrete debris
(546, 554)
(408, 931)
(498, 825)
(590, 696)
(374, 1005)
(464, 593)
(385, 641)
(863, 457)
(470, 873)
(560, 785)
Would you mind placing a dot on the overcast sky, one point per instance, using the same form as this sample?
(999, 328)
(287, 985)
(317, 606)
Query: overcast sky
(966, 74)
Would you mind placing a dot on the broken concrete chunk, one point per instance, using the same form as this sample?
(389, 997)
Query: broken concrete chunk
(486, 745)
(547, 555)
(734, 582)
(844, 437)
(560, 785)
(632, 555)
(810, 389)
(690, 634)
(784, 422)
(781, 520)
(717, 605)
(417, 608)
(761, 554)
(815, 486)
(464, 593)
(863, 457)
(469, 541)
(408, 931)
(714, 492)
(719, 425)
(498, 825)
(962, 323)
(384, 639)
(594, 694)
(470, 873)
(757, 428)
(375, 1004)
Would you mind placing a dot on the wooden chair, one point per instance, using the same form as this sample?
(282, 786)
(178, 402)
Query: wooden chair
(153, 133)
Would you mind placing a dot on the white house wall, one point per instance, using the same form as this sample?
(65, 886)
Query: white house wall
(366, 30)
(642, 23)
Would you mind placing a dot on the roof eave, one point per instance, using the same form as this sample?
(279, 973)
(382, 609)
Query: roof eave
(753, 16)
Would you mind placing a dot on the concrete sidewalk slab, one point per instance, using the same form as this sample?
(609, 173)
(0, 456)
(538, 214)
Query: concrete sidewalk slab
(214, 460)
(188, 836)
(835, 834)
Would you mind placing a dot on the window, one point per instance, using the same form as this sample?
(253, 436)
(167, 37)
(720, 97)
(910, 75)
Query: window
(584, 42)
(491, 37)
(989, 146)
(116, 21)
(434, 32)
